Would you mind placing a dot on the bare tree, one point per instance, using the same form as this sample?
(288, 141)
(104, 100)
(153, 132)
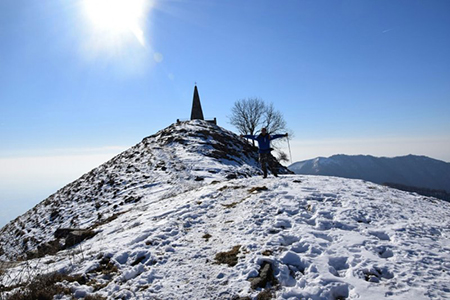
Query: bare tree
(252, 114)
(273, 120)
(282, 156)
(247, 115)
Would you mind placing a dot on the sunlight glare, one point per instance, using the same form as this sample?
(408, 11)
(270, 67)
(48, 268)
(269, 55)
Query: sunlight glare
(116, 17)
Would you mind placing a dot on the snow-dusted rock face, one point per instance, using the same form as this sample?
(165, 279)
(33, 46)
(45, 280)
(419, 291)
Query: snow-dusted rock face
(176, 159)
(189, 232)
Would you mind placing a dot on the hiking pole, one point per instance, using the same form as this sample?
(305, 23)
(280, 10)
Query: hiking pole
(289, 146)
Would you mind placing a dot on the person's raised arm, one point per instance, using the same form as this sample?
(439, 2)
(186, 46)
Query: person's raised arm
(249, 136)
(277, 136)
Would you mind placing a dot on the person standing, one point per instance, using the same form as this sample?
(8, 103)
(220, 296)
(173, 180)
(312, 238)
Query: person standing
(264, 149)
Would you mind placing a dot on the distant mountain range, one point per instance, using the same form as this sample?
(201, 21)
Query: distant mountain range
(411, 172)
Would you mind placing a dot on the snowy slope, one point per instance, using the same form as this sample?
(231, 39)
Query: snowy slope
(326, 238)
(410, 170)
(318, 237)
(174, 160)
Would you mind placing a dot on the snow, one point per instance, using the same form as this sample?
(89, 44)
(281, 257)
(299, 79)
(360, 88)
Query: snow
(325, 238)
(328, 238)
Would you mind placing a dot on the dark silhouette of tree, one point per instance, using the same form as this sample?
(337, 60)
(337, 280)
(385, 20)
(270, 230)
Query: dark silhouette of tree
(282, 156)
(251, 114)
(273, 120)
(247, 115)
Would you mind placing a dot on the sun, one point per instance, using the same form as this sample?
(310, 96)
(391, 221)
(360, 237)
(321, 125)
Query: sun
(118, 17)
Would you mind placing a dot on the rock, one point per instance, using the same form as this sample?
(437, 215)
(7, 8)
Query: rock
(265, 277)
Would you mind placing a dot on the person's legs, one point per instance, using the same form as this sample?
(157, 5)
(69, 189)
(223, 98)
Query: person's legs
(263, 162)
(271, 161)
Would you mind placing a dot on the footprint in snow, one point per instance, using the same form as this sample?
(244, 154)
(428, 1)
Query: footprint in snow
(323, 224)
(300, 247)
(380, 234)
(308, 189)
(375, 274)
(315, 197)
(343, 226)
(291, 268)
(289, 240)
(384, 251)
(338, 265)
(290, 208)
(282, 223)
(323, 236)
(325, 214)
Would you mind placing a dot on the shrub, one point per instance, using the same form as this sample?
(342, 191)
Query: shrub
(43, 287)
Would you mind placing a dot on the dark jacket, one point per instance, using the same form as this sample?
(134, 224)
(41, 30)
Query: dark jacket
(264, 141)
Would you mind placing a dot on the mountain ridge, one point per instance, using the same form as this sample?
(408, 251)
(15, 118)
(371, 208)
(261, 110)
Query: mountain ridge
(410, 170)
(169, 157)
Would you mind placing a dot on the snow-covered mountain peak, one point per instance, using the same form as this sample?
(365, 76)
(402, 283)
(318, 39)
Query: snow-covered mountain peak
(178, 158)
(182, 215)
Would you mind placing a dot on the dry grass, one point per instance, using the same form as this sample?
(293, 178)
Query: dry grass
(230, 258)
(106, 267)
(45, 287)
(258, 189)
(231, 205)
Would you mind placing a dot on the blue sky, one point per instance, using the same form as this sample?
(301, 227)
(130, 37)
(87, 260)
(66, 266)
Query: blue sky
(352, 77)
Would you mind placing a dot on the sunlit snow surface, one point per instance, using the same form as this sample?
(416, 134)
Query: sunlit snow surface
(326, 238)
(329, 238)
